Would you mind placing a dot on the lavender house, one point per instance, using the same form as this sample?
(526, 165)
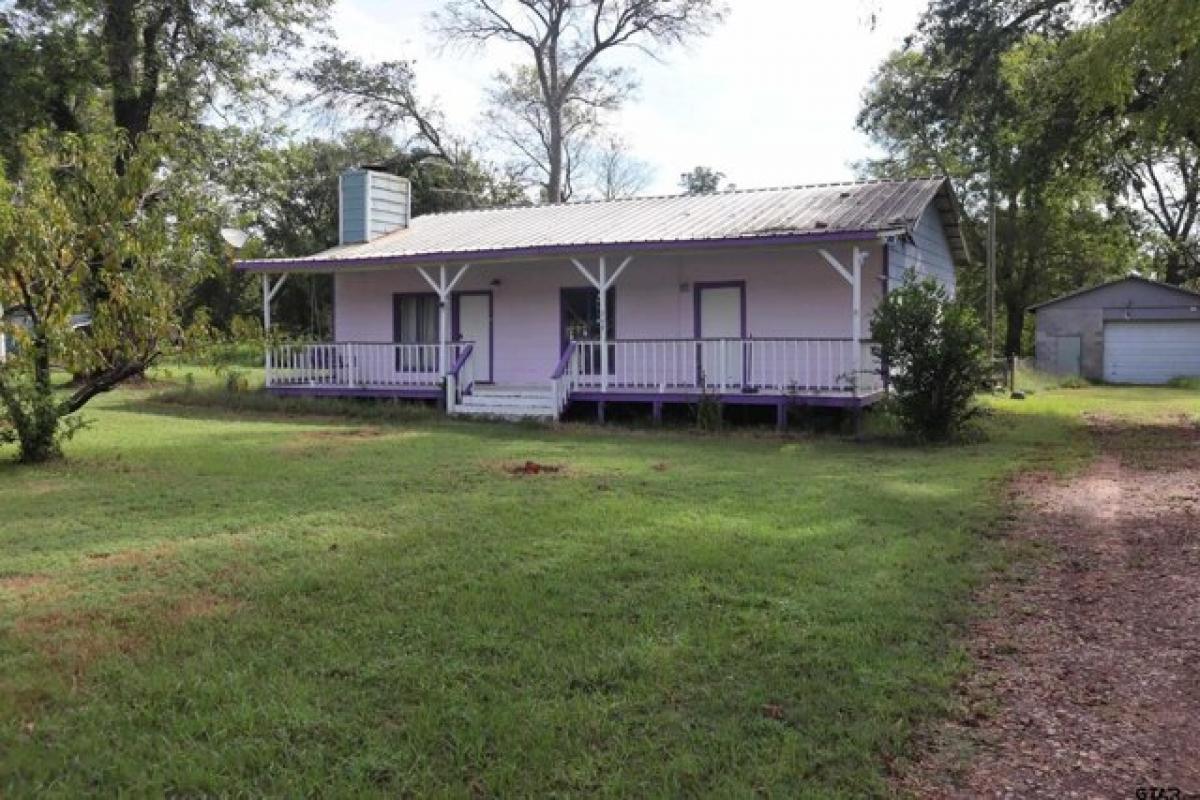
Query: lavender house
(753, 297)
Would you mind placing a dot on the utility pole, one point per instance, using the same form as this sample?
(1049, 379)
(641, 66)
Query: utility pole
(991, 270)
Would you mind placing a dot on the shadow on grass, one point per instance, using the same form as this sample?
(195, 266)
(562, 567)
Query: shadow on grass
(618, 636)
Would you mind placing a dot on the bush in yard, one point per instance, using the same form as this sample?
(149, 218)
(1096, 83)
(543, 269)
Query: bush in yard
(937, 352)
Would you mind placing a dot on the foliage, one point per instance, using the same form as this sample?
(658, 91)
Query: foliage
(1040, 107)
(548, 107)
(70, 228)
(384, 96)
(617, 173)
(994, 122)
(285, 194)
(936, 351)
(701, 180)
(1191, 382)
(167, 59)
(708, 413)
(369, 596)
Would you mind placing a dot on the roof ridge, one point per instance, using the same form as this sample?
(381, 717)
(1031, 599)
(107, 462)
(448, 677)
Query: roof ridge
(722, 193)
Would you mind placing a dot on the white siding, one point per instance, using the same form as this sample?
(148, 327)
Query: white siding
(928, 254)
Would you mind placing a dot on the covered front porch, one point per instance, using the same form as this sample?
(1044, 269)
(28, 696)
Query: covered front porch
(776, 327)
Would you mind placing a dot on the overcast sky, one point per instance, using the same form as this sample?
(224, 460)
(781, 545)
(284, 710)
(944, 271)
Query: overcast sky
(769, 99)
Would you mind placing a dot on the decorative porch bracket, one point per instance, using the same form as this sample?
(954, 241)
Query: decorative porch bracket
(853, 276)
(268, 292)
(442, 288)
(603, 282)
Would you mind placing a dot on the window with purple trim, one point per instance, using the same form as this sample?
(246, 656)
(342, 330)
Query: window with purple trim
(415, 321)
(581, 322)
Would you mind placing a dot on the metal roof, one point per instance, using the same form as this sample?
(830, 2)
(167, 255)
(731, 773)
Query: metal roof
(789, 215)
(1187, 293)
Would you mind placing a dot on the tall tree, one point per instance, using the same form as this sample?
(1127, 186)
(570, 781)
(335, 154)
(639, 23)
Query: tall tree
(617, 172)
(176, 58)
(69, 220)
(567, 44)
(974, 97)
(1135, 76)
(701, 180)
(1162, 187)
(382, 96)
(285, 194)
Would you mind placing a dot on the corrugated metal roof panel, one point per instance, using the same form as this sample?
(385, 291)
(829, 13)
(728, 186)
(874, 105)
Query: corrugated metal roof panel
(820, 210)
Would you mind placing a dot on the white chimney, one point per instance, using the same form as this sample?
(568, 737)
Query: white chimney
(371, 204)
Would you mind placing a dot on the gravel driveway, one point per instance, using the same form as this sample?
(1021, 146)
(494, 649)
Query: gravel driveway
(1088, 679)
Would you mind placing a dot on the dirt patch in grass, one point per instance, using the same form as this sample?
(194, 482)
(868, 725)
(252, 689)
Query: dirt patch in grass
(73, 639)
(33, 588)
(159, 555)
(1086, 683)
(533, 468)
(42, 487)
(325, 440)
(21, 584)
(342, 434)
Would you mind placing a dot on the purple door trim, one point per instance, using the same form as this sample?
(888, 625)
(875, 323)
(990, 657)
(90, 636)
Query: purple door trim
(456, 331)
(396, 296)
(699, 287)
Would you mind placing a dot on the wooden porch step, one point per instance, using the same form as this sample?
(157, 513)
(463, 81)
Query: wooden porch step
(500, 390)
(509, 402)
(506, 412)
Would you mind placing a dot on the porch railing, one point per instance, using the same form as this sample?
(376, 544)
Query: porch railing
(726, 365)
(460, 380)
(361, 365)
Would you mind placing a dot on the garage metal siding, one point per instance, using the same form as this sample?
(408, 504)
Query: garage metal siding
(1150, 352)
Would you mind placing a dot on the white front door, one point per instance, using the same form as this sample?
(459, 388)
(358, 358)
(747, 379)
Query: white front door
(475, 325)
(1150, 352)
(720, 322)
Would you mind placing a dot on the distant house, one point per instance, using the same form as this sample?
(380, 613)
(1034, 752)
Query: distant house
(751, 297)
(1131, 330)
(18, 317)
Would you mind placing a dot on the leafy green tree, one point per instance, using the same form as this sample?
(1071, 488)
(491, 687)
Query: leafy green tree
(701, 180)
(937, 353)
(975, 97)
(70, 219)
(285, 194)
(172, 59)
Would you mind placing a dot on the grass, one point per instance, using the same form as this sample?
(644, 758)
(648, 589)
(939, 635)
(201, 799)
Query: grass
(1190, 382)
(211, 601)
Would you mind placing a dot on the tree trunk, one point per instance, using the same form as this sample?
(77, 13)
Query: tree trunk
(37, 434)
(554, 180)
(1015, 316)
(1007, 277)
(1176, 266)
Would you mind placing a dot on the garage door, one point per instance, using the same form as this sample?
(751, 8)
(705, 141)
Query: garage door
(1150, 352)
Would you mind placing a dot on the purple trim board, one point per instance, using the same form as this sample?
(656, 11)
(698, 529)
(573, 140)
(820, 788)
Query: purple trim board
(412, 393)
(733, 399)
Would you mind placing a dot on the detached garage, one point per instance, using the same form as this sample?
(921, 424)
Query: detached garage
(1131, 330)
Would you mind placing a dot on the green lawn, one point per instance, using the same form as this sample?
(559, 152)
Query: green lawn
(197, 602)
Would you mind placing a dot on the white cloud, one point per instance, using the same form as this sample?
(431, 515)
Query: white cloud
(770, 98)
